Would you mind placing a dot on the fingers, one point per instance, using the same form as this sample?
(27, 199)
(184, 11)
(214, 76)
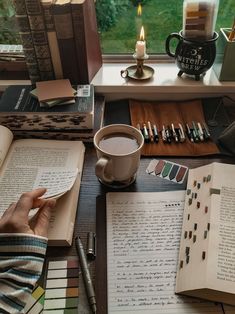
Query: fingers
(15, 219)
(41, 221)
(27, 201)
(9, 210)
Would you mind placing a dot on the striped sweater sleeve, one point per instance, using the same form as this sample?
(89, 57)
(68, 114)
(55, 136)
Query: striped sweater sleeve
(21, 262)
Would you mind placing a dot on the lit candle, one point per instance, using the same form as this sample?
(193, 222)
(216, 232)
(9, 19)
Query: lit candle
(140, 47)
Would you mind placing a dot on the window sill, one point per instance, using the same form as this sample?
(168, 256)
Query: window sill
(164, 85)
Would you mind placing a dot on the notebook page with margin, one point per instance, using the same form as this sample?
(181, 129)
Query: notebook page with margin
(143, 238)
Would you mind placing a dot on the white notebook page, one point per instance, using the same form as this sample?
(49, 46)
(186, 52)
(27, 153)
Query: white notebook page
(143, 237)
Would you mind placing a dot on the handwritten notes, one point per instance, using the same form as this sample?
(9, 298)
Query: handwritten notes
(143, 236)
(56, 181)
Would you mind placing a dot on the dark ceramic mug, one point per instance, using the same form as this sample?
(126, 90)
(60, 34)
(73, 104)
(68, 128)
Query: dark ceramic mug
(192, 57)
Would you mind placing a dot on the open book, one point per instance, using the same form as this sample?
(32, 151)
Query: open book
(57, 165)
(206, 267)
(143, 236)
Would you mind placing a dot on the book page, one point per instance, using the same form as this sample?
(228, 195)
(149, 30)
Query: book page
(22, 170)
(6, 137)
(56, 181)
(221, 262)
(208, 234)
(143, 237)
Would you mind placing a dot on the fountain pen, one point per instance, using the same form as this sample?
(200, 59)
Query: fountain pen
(86, 275)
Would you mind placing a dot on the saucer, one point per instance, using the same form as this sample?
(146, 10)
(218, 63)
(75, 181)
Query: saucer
(118, 184)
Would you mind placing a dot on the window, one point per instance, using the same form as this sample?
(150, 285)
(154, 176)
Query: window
(119, 23)
(8, 27)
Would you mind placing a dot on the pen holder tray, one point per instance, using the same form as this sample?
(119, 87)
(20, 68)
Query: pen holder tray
(165, 113)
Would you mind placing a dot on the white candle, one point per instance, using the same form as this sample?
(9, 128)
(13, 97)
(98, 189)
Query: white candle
(140, 47)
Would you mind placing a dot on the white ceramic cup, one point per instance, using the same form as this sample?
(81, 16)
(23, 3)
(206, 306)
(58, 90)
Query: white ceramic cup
(113, 168)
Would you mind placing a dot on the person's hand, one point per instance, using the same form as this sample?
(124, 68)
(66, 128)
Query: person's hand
(16, 217)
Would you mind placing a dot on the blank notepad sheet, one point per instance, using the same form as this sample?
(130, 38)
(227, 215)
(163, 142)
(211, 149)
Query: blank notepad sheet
(143, 237)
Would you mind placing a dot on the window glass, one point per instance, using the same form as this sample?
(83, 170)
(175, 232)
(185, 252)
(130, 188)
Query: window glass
(8, 27)
(119, 23)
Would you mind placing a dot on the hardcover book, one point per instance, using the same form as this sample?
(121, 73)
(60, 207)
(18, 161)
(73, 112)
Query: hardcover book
(21, 111)
(84, 135)
(27, 40)
(87, 41)
(39, 35)
(206, 267)
(54, 89)
(52, 39)
(21, 162)
(61, 11)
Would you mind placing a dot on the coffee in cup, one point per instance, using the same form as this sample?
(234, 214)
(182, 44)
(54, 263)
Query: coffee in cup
(118, 148)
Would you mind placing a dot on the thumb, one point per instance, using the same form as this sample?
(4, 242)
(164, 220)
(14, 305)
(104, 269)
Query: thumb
(41, 223)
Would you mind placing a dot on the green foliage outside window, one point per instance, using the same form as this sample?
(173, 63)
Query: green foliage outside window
(160, 18)
(108, 12)
(8, 28)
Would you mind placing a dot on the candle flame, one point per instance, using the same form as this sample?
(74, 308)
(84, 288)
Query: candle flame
(139, 9)
(142, 33)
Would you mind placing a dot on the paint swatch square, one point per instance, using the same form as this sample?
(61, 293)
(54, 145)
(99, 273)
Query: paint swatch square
(35, 302)
(167, 170)
(62, 286)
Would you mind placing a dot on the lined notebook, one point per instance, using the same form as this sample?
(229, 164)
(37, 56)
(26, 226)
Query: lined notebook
(143, 236)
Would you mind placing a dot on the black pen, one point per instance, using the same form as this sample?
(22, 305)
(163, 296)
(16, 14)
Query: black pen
(86, 274)
(155, 133)
(206, 131)
(181, 133)
(190, 136)
(200, 131)
(168, 134)
(195, 132)
(146, 134)
(174, 133)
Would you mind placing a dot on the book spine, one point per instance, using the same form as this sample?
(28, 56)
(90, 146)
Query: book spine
(52, 40)
(87, 41)
(80, 43)
(65, 36)
(39, 34)
(27, 40)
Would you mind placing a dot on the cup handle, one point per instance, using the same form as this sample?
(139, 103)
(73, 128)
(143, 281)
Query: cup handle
(100, 166)
(167, 46)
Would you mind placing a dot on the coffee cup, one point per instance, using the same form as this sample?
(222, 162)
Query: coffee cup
(118, 148)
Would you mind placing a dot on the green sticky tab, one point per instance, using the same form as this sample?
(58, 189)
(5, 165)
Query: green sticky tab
(166, 169)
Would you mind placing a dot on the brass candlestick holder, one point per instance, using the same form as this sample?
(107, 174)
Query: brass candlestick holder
(140, 71)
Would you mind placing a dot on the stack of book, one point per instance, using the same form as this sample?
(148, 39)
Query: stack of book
(21, 112)
(59, 39)
(55, 92)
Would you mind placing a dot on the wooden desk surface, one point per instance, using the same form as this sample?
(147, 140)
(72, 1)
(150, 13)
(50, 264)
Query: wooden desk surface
(91, 187)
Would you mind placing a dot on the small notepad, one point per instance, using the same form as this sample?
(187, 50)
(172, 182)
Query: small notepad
(55, 89)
